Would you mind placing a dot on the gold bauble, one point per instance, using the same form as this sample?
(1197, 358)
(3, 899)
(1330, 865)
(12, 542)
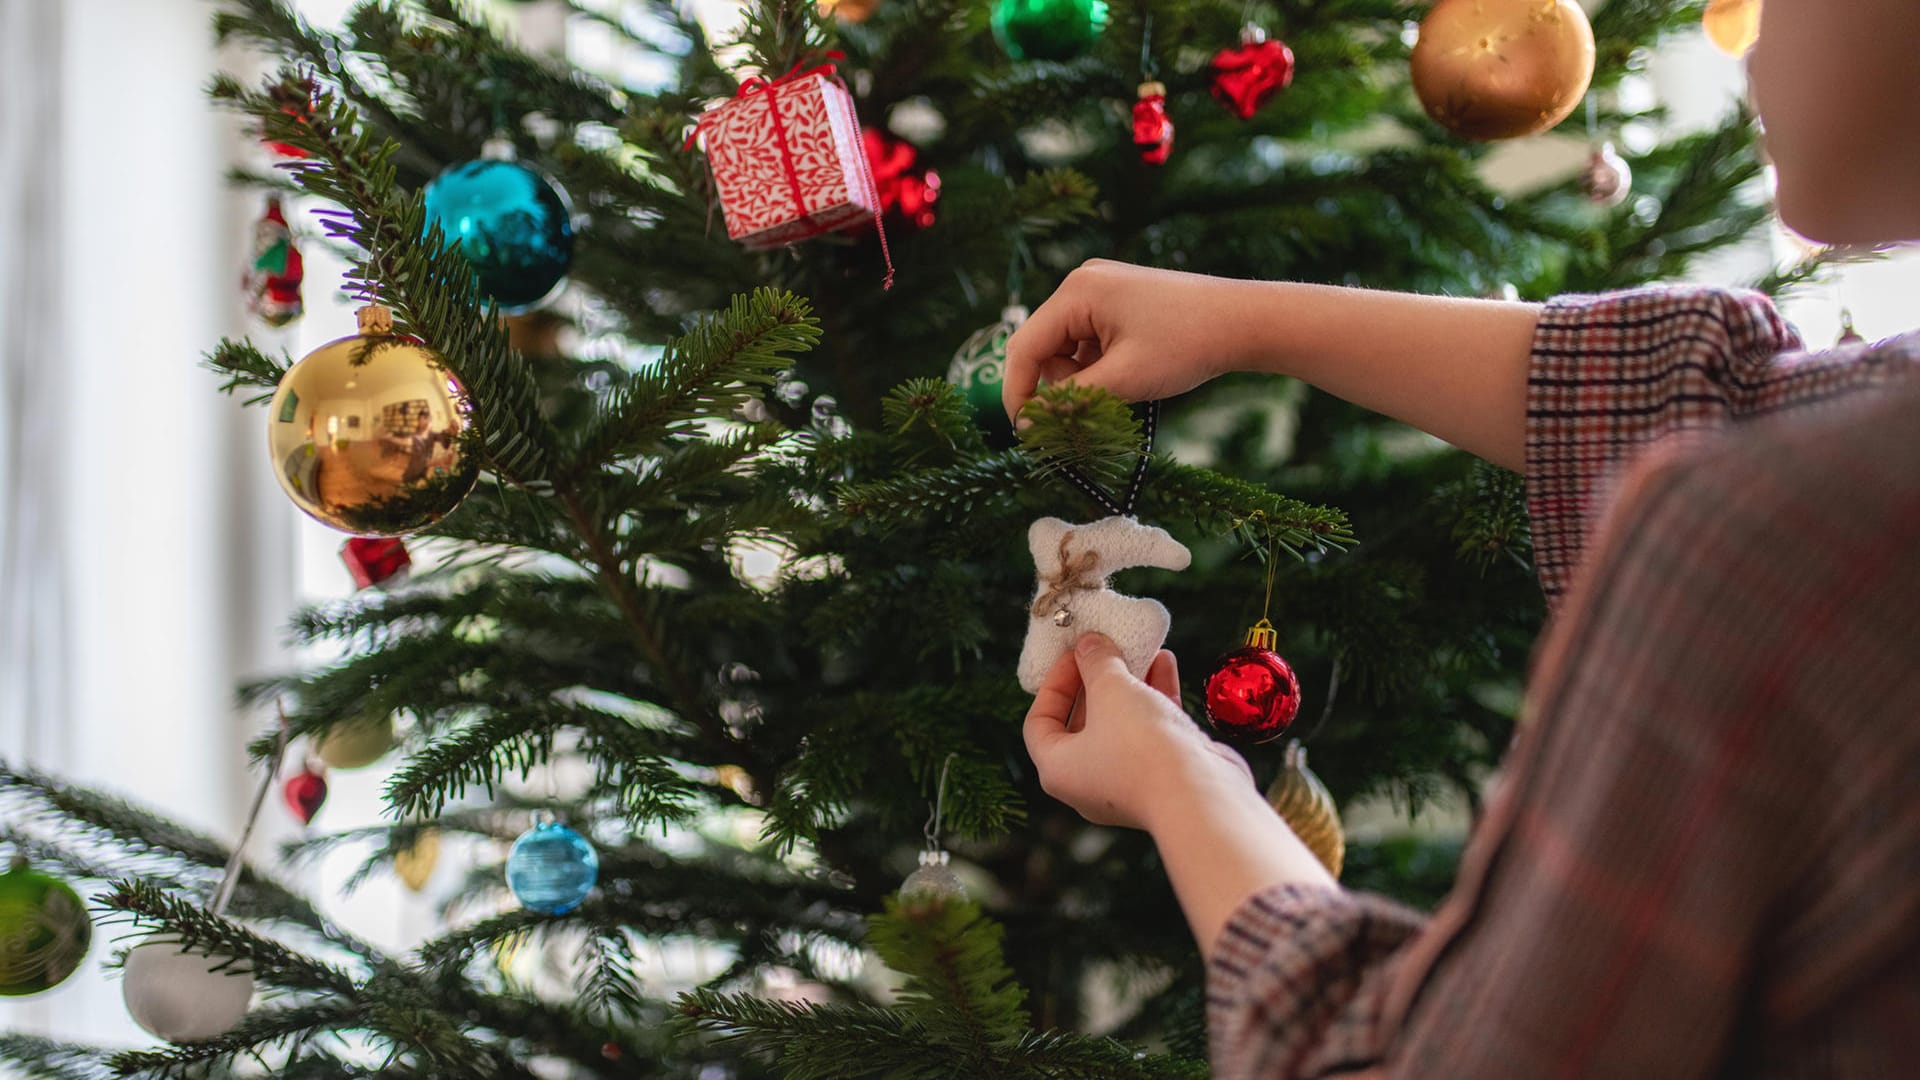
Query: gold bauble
(414, 864)
(1732, 25)
(355, 744)
(1500, 69)
(371, 434)
(850, 10)
(1304, 803)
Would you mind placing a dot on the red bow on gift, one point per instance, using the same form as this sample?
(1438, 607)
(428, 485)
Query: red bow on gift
(1252, 72)
(894, 176)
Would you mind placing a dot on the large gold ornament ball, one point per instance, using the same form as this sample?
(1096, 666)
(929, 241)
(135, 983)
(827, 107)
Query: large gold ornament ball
(371, 434)
(1500, 69)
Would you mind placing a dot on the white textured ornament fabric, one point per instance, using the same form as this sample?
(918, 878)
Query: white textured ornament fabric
(1072, 597)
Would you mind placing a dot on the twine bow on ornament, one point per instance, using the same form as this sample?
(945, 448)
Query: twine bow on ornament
(1076, 575)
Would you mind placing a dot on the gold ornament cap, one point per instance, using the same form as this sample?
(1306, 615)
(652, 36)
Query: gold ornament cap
(376, 320)
(1262, 635)
(1151, 88)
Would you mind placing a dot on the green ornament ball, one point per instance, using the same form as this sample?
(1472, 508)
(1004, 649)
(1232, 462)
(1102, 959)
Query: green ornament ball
(44, 931)
(1048, 29)
(980, 364)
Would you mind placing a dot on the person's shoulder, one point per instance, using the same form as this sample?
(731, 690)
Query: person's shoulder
(1827, 486)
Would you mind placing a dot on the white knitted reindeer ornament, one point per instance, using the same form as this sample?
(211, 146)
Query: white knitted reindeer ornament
(1072, 597)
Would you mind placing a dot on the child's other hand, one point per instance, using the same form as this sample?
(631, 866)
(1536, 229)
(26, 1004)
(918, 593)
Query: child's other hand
(1141, 334)
(1135, 755)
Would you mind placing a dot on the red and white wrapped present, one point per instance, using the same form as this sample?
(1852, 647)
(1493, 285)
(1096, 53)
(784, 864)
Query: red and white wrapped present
(787, 159)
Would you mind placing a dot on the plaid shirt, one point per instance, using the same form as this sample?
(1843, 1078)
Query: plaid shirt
(1703, 856)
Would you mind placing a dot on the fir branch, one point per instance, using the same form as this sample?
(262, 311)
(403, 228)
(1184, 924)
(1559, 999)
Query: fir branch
(1059, 1055)
(1082, 428)
(941, 494)
(958, 988)
(49, 1059)
(812, 1041)
(199, 931)
(261, 1031)
(710, 371)
(1490, 517)
(930, 416)
(246, 366)
(408, 266)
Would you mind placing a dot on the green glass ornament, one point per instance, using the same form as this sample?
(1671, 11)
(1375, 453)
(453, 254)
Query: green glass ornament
(44, 931)
(1048, 29)
(980, 364)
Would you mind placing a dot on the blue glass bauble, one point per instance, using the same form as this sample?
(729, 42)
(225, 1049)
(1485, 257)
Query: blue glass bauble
(551, 869)
(514, 227)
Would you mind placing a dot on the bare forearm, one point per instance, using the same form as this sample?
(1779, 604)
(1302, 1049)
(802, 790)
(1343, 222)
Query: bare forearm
(1222, 845)
(1451, 367)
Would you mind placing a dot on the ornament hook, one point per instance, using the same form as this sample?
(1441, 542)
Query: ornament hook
(935, 820)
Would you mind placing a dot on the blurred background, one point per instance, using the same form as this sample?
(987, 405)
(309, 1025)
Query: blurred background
(147, 561)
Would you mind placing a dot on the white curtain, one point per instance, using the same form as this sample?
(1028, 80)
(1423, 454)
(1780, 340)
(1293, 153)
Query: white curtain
(145, 556)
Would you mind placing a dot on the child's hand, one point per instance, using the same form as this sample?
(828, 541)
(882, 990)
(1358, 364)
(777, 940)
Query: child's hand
(1135, 754)
(1139, 333)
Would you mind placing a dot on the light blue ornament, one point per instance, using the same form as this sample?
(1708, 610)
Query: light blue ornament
(551, 869)
(513, 225)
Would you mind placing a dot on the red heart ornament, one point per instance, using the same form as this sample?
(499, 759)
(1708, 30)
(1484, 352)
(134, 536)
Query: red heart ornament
(304, 792)
(1253, 71)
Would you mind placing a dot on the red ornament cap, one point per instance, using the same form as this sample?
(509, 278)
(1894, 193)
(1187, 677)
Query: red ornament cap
(305, 791)
(1245, 76)
(375, 560)
(1252, 695)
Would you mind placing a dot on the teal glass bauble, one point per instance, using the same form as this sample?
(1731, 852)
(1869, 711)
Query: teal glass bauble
(513, 225)
(1048, 29)
(551, 869)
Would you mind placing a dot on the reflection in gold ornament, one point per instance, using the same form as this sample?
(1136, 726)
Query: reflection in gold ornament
(415, 862)
(371, 434)
(1300, 799)
(1500, 69)
(1732, 25)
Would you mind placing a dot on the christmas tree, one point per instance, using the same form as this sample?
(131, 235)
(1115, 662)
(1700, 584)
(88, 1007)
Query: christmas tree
(596, 634)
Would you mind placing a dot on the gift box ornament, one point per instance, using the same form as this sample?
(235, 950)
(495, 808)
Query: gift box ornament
(787, 158)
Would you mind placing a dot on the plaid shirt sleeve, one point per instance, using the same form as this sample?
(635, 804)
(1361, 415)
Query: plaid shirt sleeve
(1606, 917)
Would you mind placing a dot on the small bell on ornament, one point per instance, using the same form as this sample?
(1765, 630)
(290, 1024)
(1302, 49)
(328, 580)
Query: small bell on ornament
(376, 560)
(900, 186)
(1304, 803)
(513, 225)
(44, 930)
(1500, 69)
(1152, 127)
(305, 792)
(551, 869)
(1252, 694)
(1246, 75)
(273, 278)
(371, 434)
(1608, 179)
(183, 996)
(980, 363)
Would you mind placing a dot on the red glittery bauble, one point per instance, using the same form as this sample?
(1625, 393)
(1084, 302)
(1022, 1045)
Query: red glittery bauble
(304, 792)
(1252, 695)
(1152, 128)
(1249, 73)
